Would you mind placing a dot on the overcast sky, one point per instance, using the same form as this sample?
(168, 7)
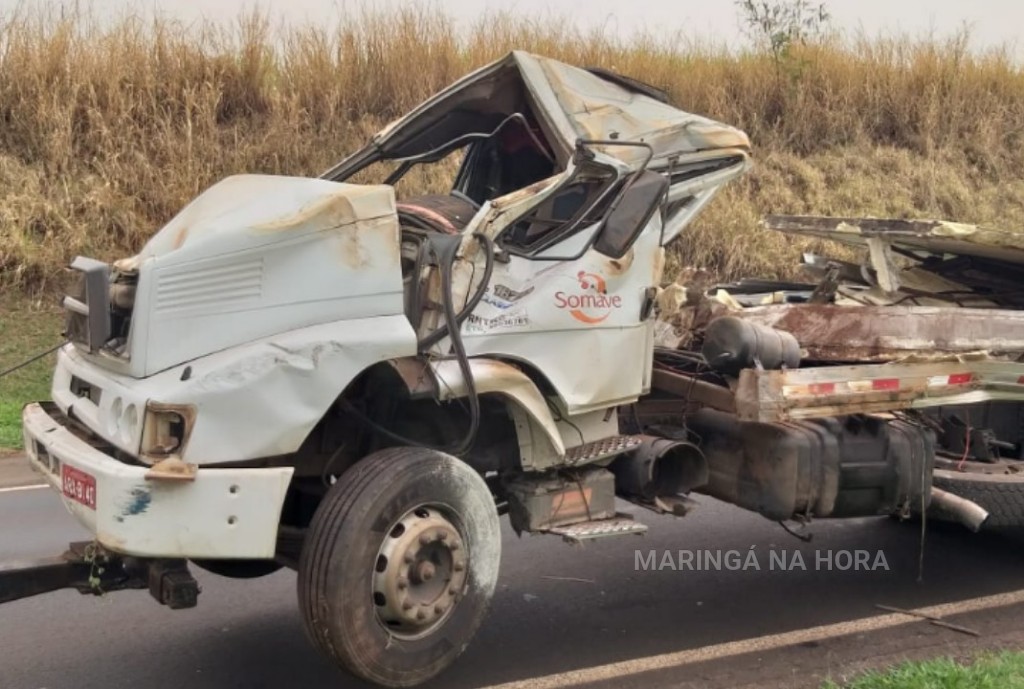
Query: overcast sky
(993, 22)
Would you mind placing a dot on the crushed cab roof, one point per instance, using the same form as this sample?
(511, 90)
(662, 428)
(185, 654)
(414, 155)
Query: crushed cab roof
(569, 104)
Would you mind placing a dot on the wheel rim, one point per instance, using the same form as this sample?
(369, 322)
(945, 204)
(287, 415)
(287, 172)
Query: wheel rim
(420, 573)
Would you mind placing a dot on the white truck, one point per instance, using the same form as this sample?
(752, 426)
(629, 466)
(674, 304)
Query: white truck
(308, 373)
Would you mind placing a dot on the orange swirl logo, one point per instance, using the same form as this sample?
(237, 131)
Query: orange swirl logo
(591, 304)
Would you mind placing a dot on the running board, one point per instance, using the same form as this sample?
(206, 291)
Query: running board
(619, 525)
(601, 449)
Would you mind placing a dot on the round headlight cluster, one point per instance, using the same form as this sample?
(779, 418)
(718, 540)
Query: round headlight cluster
(114, 415)
(122, 421)
(129, 422)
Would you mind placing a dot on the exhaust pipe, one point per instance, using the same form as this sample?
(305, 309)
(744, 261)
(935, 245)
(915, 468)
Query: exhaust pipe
(967, 512)
(658, 472)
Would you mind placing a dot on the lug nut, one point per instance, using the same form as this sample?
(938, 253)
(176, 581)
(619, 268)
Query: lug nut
(407, 559)
(439, 608)
(443, 536)
(406, 605)
(421, 615)
(403, 583)
(458, 566)
(425, 539)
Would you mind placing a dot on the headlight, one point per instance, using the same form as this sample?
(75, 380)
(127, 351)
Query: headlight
(166, 429)
(128, 423)
(114, 416)
(122, 420)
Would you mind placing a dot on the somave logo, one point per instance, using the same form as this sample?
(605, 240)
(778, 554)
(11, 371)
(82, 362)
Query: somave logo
(592, 303)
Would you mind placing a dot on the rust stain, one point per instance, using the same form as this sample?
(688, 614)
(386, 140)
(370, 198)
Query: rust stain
(368, 243)
(886, 333)
(719, 136)
(526, 192)
(332, 211)
(180, 236)
(172, 469)
(618, 266)
(127, 265)
(658, 265)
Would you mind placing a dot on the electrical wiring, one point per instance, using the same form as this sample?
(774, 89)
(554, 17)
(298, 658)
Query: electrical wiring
(444, 250)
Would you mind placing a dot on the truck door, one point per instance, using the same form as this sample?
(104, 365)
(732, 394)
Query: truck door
(572, 299)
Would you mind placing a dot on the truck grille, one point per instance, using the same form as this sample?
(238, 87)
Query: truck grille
(88, 308)
(98, 309)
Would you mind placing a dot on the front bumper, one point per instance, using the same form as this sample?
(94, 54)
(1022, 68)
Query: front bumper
(222, 513)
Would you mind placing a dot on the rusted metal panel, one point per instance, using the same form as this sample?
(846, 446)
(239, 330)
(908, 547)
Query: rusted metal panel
(885, 333)
(934, 236)
(771, 396)
(691, 389)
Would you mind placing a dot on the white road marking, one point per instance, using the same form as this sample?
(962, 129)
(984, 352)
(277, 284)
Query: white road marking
(612, 671)
(34, 486)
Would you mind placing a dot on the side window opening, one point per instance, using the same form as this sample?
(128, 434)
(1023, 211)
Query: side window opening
(580, 203)
(423, 178)
(514, 158)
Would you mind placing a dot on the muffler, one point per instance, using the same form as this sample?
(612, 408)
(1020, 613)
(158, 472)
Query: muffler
(657, 474)
(967, 512)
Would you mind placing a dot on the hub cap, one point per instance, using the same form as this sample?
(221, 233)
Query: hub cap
(420, 573)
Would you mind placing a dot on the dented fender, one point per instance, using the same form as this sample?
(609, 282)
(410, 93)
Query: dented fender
(540, 442)
(264, 398)
(259, 399)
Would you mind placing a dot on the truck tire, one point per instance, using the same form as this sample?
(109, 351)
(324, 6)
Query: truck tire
(399, 565)
(1001, 494)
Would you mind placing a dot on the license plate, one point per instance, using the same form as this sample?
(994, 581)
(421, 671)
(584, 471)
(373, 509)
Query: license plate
(79, 486)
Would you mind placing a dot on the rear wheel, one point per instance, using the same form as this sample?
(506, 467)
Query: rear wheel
(399, 565)
(1001, 495)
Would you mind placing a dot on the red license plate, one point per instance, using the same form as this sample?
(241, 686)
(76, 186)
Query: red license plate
(79, 486)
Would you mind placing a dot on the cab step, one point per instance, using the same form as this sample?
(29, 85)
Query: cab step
(601, 449)
(619, 525)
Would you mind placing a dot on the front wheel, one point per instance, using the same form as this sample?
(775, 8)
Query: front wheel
(399, 565)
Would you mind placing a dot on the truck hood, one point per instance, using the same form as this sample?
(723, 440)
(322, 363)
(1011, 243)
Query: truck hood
(253, 210)
(255, 256)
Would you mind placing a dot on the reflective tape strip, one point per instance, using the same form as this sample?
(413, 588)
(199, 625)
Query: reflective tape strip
(954, 379)
(878, 385)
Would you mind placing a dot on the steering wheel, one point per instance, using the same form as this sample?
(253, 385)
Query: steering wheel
(462, 197)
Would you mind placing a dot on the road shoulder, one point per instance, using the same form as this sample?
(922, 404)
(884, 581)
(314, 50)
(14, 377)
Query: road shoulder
(15, 471)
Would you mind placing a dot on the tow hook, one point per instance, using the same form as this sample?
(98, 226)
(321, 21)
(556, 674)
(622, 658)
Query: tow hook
(90, 569)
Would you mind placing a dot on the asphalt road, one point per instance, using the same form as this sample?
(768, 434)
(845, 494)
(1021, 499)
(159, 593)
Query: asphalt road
(557, 607)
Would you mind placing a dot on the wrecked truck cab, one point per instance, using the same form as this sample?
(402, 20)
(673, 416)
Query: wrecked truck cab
(356, 383)
(316, 374)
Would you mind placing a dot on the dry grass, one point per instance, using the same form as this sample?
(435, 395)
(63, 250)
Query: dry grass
(108, 130)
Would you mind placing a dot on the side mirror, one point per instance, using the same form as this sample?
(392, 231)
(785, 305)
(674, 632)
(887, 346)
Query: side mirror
(631, 213)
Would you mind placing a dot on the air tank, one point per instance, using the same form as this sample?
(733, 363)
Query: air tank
(732, 344)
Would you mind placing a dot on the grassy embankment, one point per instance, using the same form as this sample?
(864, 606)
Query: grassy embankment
(998, 671)
(108, 130)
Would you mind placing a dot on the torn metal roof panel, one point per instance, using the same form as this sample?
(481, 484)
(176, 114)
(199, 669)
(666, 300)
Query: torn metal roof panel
(929, 236)
(568, 103)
